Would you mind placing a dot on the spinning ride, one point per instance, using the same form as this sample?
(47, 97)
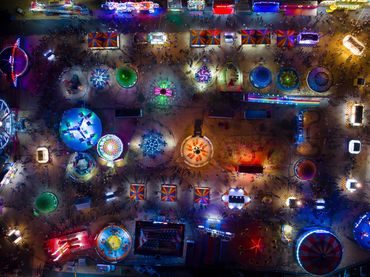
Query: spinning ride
(197, 151)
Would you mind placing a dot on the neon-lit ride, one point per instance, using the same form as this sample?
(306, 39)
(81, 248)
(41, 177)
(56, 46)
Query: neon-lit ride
(305, 169)
(63, 246)
(113, 243)
(99, 78)
(45, 203)
(110, 147)
(308, 38)
(126, 76)
(223, 7)
(80, 129)
(81, 167)
(287, 79)
(164, 92)
(197, 151)
(203, 75)
(361, 231)
(13, 62)
(7, 128)
(260, 77)
(230, 79)
(318, 251)
(284, 99)
(152, 144)
(236, 198)
(319, 79)
(129, 7)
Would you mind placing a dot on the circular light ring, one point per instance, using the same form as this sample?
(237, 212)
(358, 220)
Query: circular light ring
(319, 79)
(126, 76)
(80, 129)
(197, 151)
(113, 243)
(99, 78)
(260, 77)
(361, 231)
(305, 169)
(46, 203)
(6, 124)
(110, 147)
(318, 251)
(152, 144)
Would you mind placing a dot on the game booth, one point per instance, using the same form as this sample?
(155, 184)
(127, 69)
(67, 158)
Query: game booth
(221, 7)
(318, 251)
(159, 238)
(113, 243)
(256, 37)
(202, 38)
(306, 8)
(266, 6)
(196, 5)
(103, 40)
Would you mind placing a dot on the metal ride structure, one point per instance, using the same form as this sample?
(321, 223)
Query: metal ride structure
(6, 124)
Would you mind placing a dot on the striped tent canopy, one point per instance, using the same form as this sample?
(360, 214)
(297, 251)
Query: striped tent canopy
(248, 36)
(198, 37)
(103, 40)
(168, 193)
(202, 196)
(262, 36)
(213, 37)
(137, 192)
(285, 38)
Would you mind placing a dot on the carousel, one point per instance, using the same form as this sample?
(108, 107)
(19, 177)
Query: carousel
(319, 79)
(260, 77)
(80, 129)
(81, 167)
(318, 251)
(197, 151)
(113, 243)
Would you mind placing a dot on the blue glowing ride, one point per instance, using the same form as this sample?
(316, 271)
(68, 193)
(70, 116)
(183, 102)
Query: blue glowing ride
(152, 144)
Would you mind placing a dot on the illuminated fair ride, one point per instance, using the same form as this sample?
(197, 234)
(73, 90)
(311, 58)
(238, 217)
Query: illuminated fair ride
(13, 62)
(81, 167)
(152, 144)
(113, 243)
(164, 92)
(260, 77)
(74, 84)
(361, 231)
(197, 151)
(99, 78)
(318, 251)
(287, 79)
(7, 129)
(319, 79)
(80, 129)
(305, 169)
(126, 76)
(110, 147)
(45, 203)
(203, 75)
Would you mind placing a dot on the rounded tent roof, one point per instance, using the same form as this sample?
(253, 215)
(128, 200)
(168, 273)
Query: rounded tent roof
(287, 79)
(319, 251)
(361, 231)
(80, 129)
(81, 167)
(110, 147)
(113, 243)
(46, 203)
(319, 79)
(197, 151)
(126, 76)
(305, 169)
(260, 77)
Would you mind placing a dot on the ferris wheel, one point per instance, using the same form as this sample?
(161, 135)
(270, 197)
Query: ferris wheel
(6, 124)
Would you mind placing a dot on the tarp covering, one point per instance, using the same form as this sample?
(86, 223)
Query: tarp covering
(103, 40)
(285, 38)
